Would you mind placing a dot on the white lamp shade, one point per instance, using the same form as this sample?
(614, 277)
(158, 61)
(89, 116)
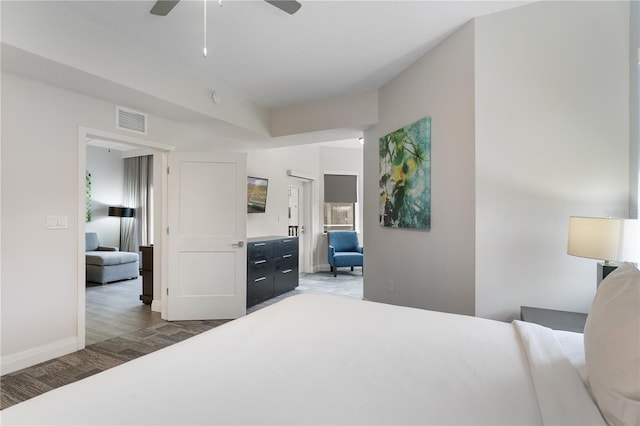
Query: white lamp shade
(605, 239)
(630, 249)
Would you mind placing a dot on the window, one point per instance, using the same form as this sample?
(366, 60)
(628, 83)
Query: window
(340, 197)
(338, 216)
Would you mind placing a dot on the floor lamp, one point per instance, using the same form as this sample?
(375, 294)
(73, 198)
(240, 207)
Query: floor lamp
(119, 211)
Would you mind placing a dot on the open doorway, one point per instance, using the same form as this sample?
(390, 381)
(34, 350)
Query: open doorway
(113, 305)
(300, 220)
(119, 221)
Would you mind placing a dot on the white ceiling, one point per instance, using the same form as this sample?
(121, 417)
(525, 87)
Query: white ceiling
(327, 49)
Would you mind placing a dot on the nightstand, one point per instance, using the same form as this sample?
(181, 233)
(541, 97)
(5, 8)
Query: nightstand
(557, 320)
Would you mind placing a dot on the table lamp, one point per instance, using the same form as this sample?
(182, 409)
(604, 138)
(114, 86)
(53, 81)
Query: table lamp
(608, 239)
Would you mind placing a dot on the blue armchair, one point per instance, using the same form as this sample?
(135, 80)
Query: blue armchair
(344, 250)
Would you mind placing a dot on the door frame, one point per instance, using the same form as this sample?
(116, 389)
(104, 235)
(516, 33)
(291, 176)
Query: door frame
(310, 217)
(160, 215)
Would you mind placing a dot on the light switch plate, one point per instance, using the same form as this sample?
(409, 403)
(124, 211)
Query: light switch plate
(57, 222)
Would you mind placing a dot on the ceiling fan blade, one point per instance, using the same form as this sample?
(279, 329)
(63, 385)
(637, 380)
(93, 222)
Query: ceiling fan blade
(289, 6)
(163, 7)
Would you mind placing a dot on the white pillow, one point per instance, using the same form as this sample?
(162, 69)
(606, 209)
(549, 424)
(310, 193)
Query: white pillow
(612, 346)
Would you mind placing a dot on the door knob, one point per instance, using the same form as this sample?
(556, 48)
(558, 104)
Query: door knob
(238, 244)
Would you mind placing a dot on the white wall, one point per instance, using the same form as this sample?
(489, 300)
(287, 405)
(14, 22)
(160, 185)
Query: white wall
(46, 30)
(273, 165)
(634, 107)
(335, 159)
(39, 175)
(311, 159)
(433, 269)
(548, 138)
(107, 176)
(552, 140)
(575, 136)
(39, 303)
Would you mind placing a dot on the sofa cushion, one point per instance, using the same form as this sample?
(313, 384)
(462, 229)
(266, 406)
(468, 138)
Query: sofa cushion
(105, 258)
(91, 241)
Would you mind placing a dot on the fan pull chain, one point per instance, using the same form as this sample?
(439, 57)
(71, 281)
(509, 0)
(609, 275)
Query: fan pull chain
(204, 51)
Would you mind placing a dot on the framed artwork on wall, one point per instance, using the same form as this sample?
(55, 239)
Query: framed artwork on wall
(405, 177)
(87, 197)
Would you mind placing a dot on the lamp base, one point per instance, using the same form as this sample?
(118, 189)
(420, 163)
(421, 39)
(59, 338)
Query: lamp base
(604, 270)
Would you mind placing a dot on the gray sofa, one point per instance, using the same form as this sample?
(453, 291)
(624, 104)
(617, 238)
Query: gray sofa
(107, 264)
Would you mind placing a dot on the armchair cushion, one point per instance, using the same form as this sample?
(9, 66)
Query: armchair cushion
(344, 241)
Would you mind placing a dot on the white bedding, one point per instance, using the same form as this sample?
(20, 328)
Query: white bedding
(314, 359)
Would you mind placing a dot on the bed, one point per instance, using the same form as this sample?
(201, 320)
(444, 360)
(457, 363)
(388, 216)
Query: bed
(319, 359)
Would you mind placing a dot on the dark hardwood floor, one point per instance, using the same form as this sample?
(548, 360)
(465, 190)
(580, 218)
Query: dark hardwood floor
(115, 309)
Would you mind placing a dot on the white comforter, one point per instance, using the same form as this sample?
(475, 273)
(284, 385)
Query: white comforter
(314, 359)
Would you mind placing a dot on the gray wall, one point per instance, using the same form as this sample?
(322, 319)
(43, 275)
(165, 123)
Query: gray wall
(552, 141)
(634, 108)
(433, 269)
(527, 129)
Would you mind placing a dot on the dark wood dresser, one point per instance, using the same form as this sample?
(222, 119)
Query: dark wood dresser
(146, 270)
(272, 267)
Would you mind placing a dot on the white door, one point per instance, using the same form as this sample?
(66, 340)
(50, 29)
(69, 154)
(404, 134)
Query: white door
(298, 218)
(207, 206)
(296, 226)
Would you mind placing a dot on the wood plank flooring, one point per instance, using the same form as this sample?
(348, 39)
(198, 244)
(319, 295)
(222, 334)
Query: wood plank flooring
(115, 309)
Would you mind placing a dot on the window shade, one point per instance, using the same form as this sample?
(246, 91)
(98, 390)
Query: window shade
(340, 188)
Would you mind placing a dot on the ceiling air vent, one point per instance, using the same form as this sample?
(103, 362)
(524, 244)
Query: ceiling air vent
(128, 119)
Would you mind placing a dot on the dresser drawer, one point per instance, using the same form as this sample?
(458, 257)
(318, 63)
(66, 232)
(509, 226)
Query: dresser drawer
(285, 280)
(259, 289)
(288, 261)
(285, 246)
(260, 250)
(258, 268)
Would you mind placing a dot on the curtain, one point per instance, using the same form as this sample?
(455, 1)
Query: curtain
(138, 194)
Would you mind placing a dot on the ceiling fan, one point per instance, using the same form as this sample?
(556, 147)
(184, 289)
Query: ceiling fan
(163, 7)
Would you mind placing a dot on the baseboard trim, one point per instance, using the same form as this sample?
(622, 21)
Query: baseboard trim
(322, 268)
(156, 305)
(24, 359)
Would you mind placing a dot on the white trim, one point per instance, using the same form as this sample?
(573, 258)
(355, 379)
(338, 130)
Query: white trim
(117, 137)
(300, 175)
(85, 133)
(340, 172)
(24, 359)
(156, 305)
(324, 267)
(80, 240)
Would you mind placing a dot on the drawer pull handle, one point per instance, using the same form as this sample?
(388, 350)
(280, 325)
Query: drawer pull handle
(286, 271)
(287, 255)
(286, 241)
(259, 279)
(259, 244)
(257, 262)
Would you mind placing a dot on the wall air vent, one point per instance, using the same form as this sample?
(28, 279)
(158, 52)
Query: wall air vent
(128, 119)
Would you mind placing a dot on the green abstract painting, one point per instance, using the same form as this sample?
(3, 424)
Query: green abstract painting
(405, 177)
(87, 198)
